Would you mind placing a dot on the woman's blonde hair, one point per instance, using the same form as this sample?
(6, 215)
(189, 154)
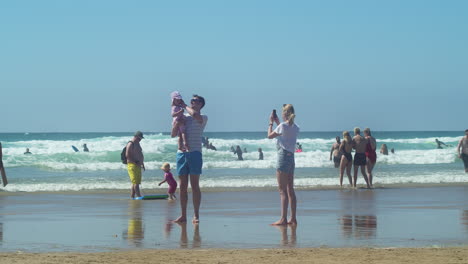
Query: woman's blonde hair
(288, 111)
(346, 137)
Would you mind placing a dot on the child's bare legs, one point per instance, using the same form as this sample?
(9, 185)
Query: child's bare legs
(175, 129)
(172, 196)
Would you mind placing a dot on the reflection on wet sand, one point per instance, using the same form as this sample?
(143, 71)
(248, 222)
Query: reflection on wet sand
(285, 240)
(184, 242)
(135, 232)
(359, 226)
(170, 213)
(358, 218)
(464, 219)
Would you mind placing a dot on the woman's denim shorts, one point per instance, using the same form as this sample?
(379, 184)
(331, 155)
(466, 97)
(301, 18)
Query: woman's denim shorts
(285, 161)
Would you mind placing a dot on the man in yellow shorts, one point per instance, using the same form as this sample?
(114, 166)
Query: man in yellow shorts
(135, 162)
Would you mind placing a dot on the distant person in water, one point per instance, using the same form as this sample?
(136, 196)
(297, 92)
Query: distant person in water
(370, 153)
(392, 151)
(286, 134)
(360, 160)
(260, 154)
(298, 147)
(210, 146)
(27, 151)
(245, 150)
(335, 152)
(462, 150)
(440, 143)
(85, 148)
(239, 153)
(384, 149)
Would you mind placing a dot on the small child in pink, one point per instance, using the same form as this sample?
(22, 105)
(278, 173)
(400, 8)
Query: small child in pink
(166, 167)
(178, 120)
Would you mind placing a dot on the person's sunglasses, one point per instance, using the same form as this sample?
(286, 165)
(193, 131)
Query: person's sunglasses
(195, 100)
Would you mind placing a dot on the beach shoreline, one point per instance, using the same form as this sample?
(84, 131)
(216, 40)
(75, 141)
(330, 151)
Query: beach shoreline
(150, 191)
(262, 256)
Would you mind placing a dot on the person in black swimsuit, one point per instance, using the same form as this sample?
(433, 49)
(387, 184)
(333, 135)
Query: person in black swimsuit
(346, 159)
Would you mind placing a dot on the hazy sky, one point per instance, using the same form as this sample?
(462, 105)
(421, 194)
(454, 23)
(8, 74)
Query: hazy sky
(76, 66)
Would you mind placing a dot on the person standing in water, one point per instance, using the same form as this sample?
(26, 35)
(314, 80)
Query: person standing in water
(190, 163)
(384, 149)
(462, 150)
(135, 162)
(346, 159)
(239, 153)
(370, 153)
(286, 134)
(335, 152)
(359, 144)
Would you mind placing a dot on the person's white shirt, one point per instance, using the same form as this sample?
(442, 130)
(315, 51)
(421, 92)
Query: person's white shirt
(287, 136)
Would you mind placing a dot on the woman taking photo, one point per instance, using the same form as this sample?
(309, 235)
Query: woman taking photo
(286, 135)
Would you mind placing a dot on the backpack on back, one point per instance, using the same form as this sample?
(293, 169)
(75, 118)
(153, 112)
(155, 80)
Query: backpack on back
(123, 154)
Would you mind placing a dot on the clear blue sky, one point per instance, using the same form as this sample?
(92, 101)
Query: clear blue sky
(75, 66)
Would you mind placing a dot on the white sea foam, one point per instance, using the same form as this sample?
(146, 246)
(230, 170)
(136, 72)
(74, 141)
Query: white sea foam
(220, 159)
(105, 153)
(239, 182)
(429, 140)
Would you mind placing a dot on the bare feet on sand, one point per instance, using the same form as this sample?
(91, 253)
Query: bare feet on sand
(280, 222)
(181, 219)
(195, 220)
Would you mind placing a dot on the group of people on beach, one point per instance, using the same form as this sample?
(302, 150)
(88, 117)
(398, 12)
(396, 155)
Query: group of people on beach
(189, 156)
(365, 156)
(189, 160)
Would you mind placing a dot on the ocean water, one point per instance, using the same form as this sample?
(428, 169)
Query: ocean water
(54, 166)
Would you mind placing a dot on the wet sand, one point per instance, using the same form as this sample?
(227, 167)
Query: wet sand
(95, 222)
(261, 256)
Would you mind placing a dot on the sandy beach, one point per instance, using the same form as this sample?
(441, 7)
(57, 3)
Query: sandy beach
(314, 255)
(385, 225)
